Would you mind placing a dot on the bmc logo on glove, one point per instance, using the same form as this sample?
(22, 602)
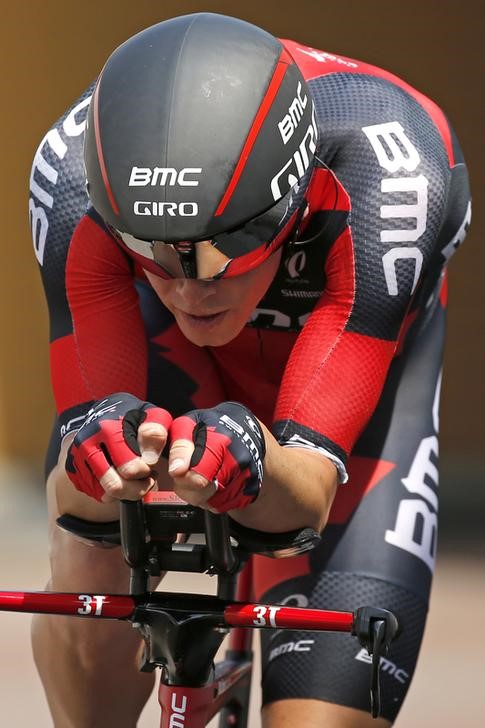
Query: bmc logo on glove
(229, 450)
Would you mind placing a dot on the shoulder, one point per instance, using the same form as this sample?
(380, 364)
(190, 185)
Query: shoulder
(350, 94)
(58, 197)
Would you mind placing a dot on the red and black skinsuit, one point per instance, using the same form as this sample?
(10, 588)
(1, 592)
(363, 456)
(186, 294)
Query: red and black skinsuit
(342, 354)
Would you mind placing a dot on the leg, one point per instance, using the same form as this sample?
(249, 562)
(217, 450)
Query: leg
(378, 549)
(317, 714)
(88, 668)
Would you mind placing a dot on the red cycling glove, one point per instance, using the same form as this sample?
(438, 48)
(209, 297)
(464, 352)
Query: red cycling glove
(107, 438)
(229, 451)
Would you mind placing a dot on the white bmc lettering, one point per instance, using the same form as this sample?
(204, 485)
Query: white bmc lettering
(91, 602)
(73, 126)
(287, 647)
(385, 665)
(299, 162)
(164, 176)
(177, 719)
(416, 525)
(290, 121)
(394, 152)
(246, 438)
(172, 209)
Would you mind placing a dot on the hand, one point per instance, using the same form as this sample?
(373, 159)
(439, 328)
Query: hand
(216, 457)
(119, 442)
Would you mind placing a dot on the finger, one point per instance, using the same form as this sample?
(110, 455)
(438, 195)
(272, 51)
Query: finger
(116, 487)
(195, 489)
(152, 437)
(179, 457)
(154, 432)
(135, 469)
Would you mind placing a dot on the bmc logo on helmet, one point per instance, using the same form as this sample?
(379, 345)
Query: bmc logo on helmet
(296, 167)
(290, 121)
(163, 176)
(173, 209)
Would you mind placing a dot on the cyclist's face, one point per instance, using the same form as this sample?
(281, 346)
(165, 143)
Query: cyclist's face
(212, 313)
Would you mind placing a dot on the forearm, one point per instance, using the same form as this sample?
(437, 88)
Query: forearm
(297, 491)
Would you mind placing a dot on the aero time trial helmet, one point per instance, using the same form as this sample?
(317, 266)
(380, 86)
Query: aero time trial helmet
(200, 128)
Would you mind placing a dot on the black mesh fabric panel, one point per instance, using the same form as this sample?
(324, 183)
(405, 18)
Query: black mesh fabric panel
(335, 668)
(345, 104)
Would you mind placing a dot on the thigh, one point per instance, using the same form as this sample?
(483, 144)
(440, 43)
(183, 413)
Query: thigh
(377, 549)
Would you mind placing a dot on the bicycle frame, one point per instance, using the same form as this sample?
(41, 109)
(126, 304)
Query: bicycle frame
(182, 632)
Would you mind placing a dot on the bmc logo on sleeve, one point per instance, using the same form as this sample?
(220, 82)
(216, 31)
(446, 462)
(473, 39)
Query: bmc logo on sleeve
(45, 174)
(395, 152)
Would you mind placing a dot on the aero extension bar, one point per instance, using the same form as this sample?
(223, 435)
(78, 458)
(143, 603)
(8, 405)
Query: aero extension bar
(182, 632)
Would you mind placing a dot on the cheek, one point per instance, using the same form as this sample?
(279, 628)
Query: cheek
(162, 287)
(261, 278)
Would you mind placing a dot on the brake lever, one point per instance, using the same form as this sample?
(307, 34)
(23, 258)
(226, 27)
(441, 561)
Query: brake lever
(375, 629)
(379, 629)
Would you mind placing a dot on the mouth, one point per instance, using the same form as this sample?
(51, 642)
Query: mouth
(202, 320)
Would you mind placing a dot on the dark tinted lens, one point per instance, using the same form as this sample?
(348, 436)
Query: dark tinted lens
(256, 232)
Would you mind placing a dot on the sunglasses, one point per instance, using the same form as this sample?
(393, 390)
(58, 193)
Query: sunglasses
(224, 255)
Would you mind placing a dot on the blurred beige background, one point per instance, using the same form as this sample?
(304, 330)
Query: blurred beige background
(50, 51)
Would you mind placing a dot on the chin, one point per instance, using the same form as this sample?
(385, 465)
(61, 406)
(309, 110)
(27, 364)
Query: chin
(215, 337)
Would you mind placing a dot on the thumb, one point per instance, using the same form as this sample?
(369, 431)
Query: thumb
(179, 457)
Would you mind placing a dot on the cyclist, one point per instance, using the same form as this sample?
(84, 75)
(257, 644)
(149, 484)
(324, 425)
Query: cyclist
(253, 282)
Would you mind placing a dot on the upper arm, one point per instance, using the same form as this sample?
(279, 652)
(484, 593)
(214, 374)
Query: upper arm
(388, 155)
(97, 341)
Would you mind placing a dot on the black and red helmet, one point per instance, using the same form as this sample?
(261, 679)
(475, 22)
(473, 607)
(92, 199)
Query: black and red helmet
(199, 126)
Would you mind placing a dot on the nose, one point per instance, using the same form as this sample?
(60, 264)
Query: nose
(193, 292)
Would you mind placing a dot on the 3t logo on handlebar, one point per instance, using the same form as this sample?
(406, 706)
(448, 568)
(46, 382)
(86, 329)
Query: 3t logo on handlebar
(91, 605)
(266, 616)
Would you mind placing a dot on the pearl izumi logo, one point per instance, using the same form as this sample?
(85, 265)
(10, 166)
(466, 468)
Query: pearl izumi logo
(172, 209)
(295, 264)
